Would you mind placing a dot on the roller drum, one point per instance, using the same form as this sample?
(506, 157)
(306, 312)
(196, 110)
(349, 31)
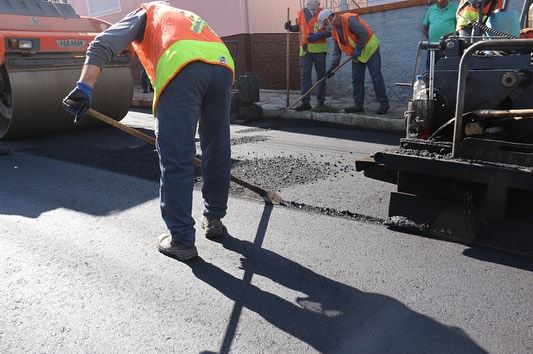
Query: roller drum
(30, 103)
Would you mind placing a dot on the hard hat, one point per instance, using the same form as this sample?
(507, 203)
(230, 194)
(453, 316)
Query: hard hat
(313, 4)
(323, 15)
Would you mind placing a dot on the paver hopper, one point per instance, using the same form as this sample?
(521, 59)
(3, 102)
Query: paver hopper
(42, 50)
(464, 172)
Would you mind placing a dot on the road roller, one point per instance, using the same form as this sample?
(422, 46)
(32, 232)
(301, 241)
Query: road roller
(464, 171)
(42, 50)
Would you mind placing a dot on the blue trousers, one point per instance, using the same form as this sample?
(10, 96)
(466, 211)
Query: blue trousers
(200, 92)
(358, 80)
(306, 78)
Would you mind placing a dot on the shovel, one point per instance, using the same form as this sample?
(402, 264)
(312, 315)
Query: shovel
(316, 84)
(268, 196)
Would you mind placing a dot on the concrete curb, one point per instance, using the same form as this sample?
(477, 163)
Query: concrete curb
(363, 121)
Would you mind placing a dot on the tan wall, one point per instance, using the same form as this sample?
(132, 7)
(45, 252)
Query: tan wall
(226, 17)
(260, 41)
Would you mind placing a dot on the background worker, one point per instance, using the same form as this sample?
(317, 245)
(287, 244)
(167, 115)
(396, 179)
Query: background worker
(192, 71)
(354, 37)
(468, 12)
(440, 19)
(313, 50)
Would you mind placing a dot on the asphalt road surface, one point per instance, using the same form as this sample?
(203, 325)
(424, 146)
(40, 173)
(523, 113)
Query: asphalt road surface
(79, 272)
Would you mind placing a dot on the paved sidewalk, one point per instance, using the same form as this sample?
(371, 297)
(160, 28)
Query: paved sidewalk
(273, 103)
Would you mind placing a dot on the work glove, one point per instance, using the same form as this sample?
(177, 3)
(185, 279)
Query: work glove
(313, 37)
(287, 25)
(78, 101)
(329, 74)
(357, 52)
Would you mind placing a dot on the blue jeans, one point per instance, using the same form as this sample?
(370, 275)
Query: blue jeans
(358, 80)
(200, 91)
(306, 78)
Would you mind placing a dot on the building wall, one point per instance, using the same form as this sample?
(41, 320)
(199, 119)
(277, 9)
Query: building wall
(398, 50)
(256, 26)
(226, 17)
(399, 33)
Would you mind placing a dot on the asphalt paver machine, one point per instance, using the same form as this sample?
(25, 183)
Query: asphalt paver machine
(464, 171)
(42, 50)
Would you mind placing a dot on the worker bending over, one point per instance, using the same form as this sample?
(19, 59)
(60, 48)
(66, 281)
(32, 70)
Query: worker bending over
(313, 50)
(354, 37)
(192, 73)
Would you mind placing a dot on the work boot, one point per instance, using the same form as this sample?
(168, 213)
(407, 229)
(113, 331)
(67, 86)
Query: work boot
(213, 228)
(303, 107)
(354, 109)
(175, 249)
(4, 151)
(383, 108)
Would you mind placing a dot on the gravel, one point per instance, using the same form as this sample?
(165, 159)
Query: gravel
(272, 173)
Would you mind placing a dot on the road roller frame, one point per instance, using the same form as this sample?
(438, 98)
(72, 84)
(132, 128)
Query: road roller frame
(42, 51)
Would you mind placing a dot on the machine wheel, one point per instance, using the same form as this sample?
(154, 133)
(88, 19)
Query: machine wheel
(6, 109)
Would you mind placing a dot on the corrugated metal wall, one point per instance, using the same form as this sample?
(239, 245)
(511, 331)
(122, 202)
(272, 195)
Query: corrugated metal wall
(269, 16)
(227, 17)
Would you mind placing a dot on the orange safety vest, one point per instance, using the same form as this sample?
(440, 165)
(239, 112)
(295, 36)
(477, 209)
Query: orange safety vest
(174, 38)
(305, 29)
(351, 40)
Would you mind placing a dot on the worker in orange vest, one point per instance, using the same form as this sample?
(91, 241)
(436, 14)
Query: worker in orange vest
(354, 37)
(313, 50)
(192, 72)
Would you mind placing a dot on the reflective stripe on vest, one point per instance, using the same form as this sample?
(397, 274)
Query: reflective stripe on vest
(351, 40)
(368, 50)
(320, 46)
(172, 39)
(182, 53)
(465, 16)
(471, 14)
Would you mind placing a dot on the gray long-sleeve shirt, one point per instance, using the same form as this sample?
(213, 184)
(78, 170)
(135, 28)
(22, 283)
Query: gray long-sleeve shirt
(116, 38)
(356, 28)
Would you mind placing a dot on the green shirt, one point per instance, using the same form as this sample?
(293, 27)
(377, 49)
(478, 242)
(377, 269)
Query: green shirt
(440, 21)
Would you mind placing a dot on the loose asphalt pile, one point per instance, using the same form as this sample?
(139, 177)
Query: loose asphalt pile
(272, 173)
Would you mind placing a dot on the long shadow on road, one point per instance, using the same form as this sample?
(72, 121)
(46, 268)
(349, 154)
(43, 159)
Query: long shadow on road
(328, 130)
(332, 317)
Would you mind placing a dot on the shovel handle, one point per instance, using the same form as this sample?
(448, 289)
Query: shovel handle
(316, 84)
(129, 130)
(147, 138)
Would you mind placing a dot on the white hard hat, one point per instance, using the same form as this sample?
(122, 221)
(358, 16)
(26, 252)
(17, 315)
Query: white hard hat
(313, 4)
(323, 15)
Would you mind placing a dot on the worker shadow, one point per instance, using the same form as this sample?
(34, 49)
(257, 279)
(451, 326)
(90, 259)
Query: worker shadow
(329, 130)
(330, 316)
(500, 257)
(32, 186)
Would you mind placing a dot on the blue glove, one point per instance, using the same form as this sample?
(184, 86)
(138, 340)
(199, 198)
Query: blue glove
(78, 101)
(313, 37)
(357, 52)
